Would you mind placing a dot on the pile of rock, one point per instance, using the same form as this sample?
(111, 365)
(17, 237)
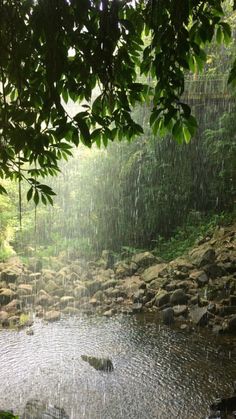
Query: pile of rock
(198, 289)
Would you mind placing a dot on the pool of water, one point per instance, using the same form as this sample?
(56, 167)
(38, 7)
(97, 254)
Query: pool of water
(158, 372)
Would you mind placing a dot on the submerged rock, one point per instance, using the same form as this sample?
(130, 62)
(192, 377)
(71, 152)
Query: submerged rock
(168, 316)
(100, 364)
(37, 409)
(223, 407)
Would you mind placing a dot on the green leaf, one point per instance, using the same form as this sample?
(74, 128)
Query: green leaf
(83, 127)
(30, 193)
(187, 134)
(2, 190)
(219, 35)
(177, 132)
(36, 197)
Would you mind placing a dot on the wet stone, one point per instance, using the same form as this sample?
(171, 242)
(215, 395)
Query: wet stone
(178, 297)
(168, 316)
(136, 307)
(100, 364)
(199, 315)
(180, 310)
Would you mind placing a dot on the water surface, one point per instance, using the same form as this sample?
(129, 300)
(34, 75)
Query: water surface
(158, 372)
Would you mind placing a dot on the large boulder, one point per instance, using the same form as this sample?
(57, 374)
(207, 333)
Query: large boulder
(51, 286)
(43, 299)
(100, 364)
(178, 297)
(131, 285)
(162, 298)
(202, 255)
(9, 274)
(154, 272)
(200, 277)
(199, 315)
(145, 259)
(124, 269)
(37, 409)
(6, 295)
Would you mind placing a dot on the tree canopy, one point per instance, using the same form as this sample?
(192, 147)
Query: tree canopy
(54, 52)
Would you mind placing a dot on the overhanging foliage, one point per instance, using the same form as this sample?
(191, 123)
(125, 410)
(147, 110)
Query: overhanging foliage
(55, 51)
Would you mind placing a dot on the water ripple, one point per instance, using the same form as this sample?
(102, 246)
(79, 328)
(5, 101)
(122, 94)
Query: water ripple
(158, 372)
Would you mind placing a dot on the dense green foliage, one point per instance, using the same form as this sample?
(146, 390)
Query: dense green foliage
(7, 415)
(139, 195)
(55, 52)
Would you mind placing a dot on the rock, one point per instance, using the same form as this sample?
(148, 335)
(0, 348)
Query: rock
(100, 364)
(92, 286)
(52, 316)
(6, 295)
(217, 329)
(226, 310)
(50, 286)
(30, 332)
(100, 296)
(181, 264)
(66, 300)
(13, 306)
(13, 320)
(81, 291)
(10, 275)
(178, 297)
(214, 271)
(37, 409)
(168, 316)
(120, 300)
(123, 269)
(3, 316)
(130, 285)
(154, 272)
(109, 313)
(26, 287)
(211, 308)
(199, 315)
(44, 299)
(180, 310)
(202, 255)
(184, 327)
(232, 299)
(136, 307)
(162, 298)
(138, 296)
(224, 406)
(158, 283)
(144, 259)
(71, 310)
(232, 324)
(93, 301)
(200, 277)
(110, 283)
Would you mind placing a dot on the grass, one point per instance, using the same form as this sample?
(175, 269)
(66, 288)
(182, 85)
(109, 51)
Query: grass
(185, 237)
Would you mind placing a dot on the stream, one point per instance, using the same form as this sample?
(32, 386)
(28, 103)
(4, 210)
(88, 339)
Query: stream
(158, 372)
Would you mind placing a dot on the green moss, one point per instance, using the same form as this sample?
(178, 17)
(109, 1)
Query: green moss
(24, 318)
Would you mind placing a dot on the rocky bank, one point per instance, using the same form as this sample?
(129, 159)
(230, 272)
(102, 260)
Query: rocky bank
(196, 290)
